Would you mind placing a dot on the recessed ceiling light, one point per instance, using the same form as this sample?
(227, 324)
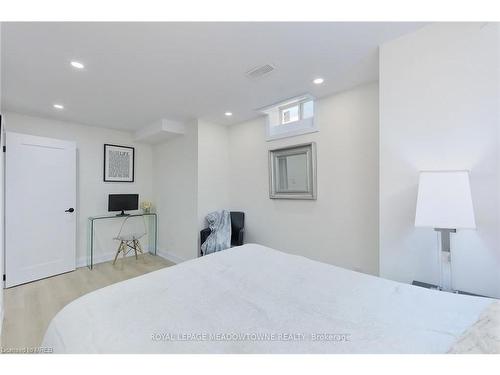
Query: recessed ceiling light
(318, 81)
(77, 65)
(58, 106)
(228, 114)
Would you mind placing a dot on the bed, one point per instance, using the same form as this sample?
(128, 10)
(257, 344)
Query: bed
(253, 299)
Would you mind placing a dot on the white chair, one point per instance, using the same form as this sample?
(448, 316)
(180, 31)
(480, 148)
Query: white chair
(129, 239)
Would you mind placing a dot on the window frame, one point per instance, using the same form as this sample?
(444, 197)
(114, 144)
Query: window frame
(299, 104)
(275, 129)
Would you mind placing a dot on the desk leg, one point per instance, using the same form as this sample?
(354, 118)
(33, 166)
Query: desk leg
(91, 265)
(156, 234)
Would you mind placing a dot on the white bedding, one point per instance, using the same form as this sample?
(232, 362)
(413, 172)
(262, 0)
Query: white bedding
(252, 299)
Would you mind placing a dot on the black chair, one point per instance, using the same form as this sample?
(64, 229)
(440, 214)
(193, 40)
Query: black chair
(237, 229)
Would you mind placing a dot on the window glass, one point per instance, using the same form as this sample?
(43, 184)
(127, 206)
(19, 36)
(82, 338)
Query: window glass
(307, 109)
(290, 114)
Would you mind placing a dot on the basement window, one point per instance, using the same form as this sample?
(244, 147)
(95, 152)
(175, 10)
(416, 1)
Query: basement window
(289, 118)
(296, 111)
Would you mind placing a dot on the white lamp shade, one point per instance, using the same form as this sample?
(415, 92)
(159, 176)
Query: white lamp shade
(444, 200)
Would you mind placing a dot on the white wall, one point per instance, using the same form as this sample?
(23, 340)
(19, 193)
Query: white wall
(213, 169)
(92, 195)
(175, 191)
(439, 110)
(341, 226)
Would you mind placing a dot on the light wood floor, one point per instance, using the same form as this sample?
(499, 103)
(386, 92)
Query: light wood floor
(29, 308)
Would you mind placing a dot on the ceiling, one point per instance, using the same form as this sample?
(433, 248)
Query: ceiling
(137, 73)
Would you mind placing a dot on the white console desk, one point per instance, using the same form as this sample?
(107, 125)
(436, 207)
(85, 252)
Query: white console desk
(152, 232)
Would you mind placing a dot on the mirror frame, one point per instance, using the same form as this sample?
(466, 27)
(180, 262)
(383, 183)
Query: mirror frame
(309, 149)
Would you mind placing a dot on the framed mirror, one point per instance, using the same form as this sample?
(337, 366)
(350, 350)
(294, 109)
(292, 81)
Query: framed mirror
(292, 172)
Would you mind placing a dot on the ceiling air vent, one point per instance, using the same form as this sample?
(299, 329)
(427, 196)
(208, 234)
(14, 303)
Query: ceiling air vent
(259, 71)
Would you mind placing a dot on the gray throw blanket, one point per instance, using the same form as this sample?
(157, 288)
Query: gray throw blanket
(220, 232)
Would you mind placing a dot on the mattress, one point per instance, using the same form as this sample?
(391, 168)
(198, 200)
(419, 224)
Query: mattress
(253, 299)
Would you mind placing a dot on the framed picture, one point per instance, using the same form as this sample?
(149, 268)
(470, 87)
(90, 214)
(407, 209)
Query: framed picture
(118, 163)
(292, 172)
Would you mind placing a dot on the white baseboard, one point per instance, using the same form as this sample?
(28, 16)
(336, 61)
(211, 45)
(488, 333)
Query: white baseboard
(169, 256)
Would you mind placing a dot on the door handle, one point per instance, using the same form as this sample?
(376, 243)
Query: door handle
(71, 209)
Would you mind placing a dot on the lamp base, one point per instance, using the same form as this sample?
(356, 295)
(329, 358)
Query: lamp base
(444, 257)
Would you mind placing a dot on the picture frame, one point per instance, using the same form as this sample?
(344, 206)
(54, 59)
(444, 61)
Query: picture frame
(292, 172)
(119, 163)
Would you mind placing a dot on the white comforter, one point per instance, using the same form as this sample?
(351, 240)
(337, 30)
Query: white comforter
(253, 299)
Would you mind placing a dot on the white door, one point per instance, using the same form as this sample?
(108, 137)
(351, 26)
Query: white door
(40, 204)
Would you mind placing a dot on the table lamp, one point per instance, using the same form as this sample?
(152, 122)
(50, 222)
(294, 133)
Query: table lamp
(444, 202)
